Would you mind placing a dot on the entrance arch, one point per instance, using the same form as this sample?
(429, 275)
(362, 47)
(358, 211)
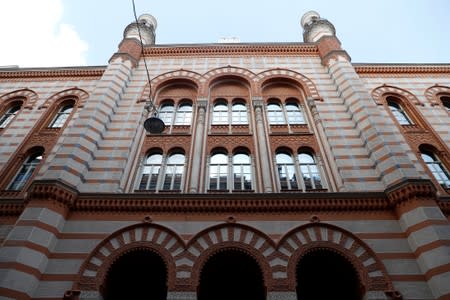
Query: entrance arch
(324, 274)
(138, 274)
(231, 274)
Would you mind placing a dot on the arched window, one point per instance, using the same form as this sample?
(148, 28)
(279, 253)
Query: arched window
(150, 172)
(61, 116)
(286, 171)
(26, 171)
(398, 112)
(218, 172)
(220, 112)
(174, 171)
(275, 113)
(9, 115)
(184, 114)
(242, 172)
(310, 172)
(239, 113)
(446, 102)
(294, 113)
(436, 168)
(300, 174)
(166, 113)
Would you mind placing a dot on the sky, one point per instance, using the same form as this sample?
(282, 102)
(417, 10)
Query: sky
(48, 33)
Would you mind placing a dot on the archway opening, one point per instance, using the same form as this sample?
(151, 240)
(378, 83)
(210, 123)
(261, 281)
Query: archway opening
(139, 274)
(324, 274)
(231, 274)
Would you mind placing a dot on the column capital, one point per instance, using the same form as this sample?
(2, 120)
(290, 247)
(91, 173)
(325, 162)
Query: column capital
(257, 101)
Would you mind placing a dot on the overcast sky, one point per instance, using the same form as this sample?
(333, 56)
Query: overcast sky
(86, 32)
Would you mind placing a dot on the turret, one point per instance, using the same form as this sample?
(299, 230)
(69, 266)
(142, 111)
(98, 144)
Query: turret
(147, 25)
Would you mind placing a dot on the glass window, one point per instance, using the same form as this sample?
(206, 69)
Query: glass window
(399, 114)
(286, 172)
(220, 113)
(218, 172)
(242, 172)
(62, 116)
(239, 114)
(166, 113)
(436, 168)
(446, 102)
(310, 172)
(294, 114)
(174, 172)
(150, 172)
(26, 171)
(184, 114)
(275, 114)
(9, 115)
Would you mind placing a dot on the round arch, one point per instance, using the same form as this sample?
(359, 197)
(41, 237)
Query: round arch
(240, 74)
(379, 93)
(432, 94)
(311, 237)
(79, 95)
(237, 237)
(30, 97)
(308, 87)
(182, 76)
(144, 236)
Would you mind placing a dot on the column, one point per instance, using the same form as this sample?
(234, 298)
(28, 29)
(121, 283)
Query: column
(198, 141)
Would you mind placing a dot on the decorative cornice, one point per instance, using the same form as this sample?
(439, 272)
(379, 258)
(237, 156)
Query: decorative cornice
(208, 50)
(53, 190)
(230, 203)
(53, 73)
(445, 206)
(402, 69)
(410, 189)
(11, 208)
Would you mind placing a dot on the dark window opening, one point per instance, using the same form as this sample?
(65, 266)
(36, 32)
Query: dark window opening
(231, 275)
(324, 275)
(139, 274)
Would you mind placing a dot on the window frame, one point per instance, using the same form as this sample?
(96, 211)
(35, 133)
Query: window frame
(398, 111)
(7, 116)
(18, 182)
(61, 114)
(432, 166)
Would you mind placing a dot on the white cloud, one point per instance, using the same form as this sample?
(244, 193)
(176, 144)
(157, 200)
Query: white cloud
(32, 35)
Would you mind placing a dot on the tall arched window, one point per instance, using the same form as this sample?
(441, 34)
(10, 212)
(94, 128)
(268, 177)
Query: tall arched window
(309, 170)
(239, 113)
(218, 172)
(242, 172)
(9, 115)
(26, 171)
(174, 171)
(184, 114)
(294, 113)
(220, 112)
(61, 116)
(150, 172)
(166, 113)
(436, 168)
(287, 174)
(398, 112)
(275, 113)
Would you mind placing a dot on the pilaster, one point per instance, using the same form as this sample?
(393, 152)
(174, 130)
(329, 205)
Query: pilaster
(198, 141)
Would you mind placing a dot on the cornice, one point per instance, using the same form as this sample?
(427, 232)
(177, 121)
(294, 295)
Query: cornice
(402, 69)
(53, 73)
(231, 203)
(53, 190)
(410, 189)
(11, 208)
(212, 50)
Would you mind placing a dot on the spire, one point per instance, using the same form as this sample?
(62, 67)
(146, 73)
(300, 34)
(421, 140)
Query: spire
(314, 27)
(147, 25)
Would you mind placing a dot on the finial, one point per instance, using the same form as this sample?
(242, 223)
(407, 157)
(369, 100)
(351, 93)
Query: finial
(314, 27)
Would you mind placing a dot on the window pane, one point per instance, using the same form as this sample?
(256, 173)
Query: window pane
(150, 172)
(174, 172)
(220, 114)
(62, 116)
(275, 114)
(166, 113)
(286, 171)
(399, 114)
(26, 171)
(294, 114)
(9, 116)
(239, 114)
(437, 169)
(310, 172)
(218, 172)
(242, 175)
(184, 115)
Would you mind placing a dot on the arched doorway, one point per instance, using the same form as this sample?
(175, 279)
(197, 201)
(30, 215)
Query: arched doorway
(138, 274)
(231, 274)
(323, 274)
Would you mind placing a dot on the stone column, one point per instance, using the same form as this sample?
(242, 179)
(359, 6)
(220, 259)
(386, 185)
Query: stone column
(262, 145)
(282, 296)
(181, 296)
(198, 146)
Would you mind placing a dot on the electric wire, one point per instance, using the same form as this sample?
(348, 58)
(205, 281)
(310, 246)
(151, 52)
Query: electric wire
(150, 102)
